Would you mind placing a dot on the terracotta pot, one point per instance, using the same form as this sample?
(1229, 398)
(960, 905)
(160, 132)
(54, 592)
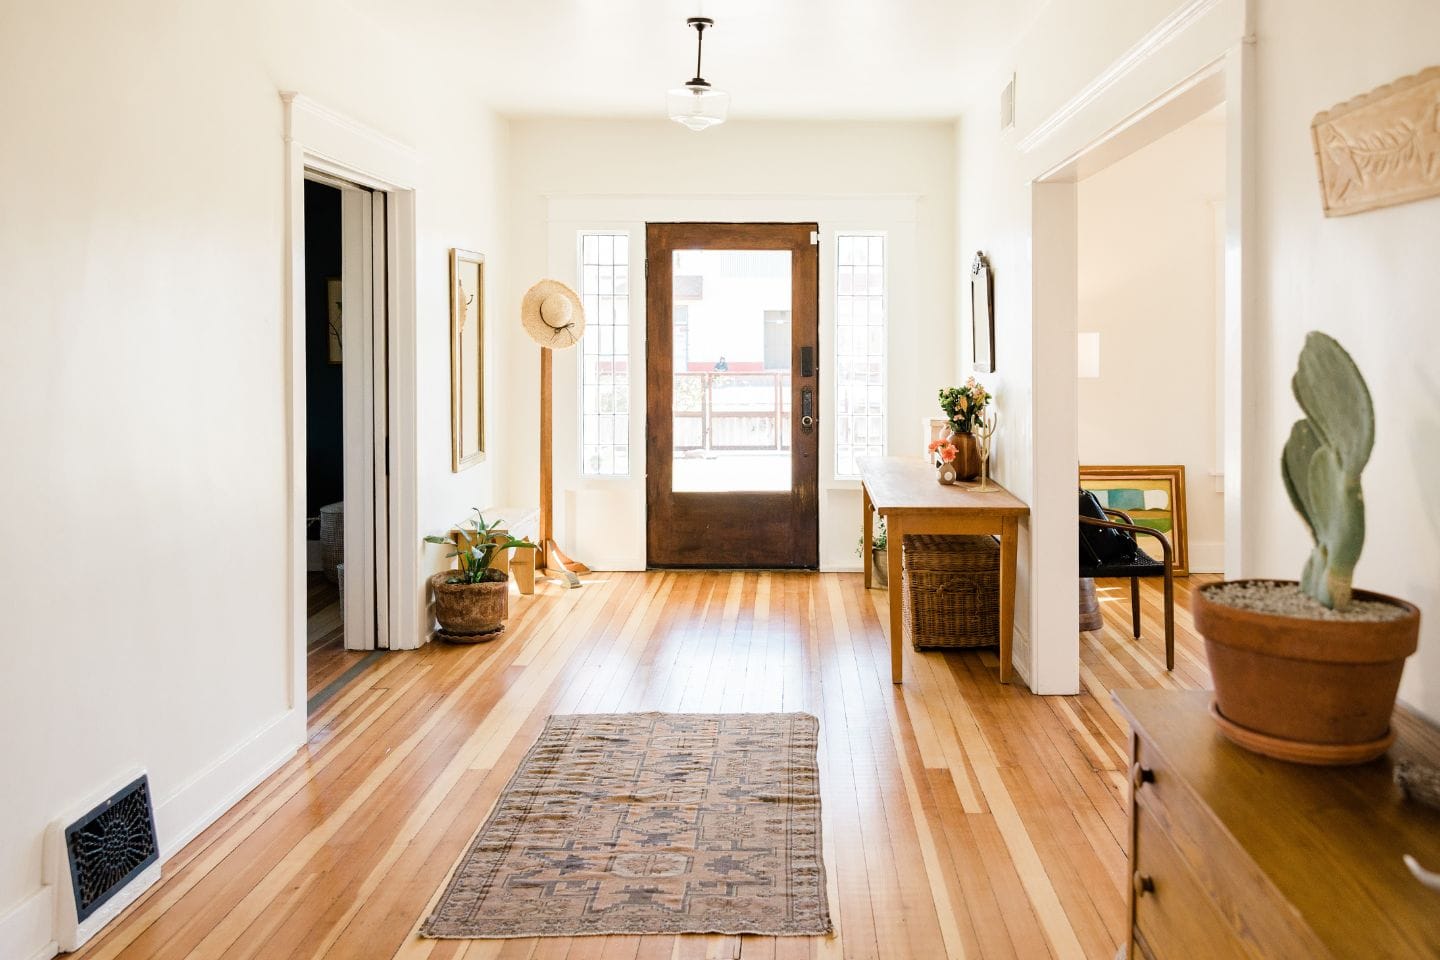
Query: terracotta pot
(1308, 691)
(470, 611)
(967, 456)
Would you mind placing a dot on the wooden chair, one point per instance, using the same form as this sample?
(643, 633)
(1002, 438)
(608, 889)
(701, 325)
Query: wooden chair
(1142, 565)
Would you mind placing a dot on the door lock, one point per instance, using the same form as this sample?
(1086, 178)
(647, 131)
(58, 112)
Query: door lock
(807, 408)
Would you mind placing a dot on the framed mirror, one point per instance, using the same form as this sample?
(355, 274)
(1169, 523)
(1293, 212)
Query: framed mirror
(467, 359)
(982, 315)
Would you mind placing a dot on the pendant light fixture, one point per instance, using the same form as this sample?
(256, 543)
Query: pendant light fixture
(698, 105)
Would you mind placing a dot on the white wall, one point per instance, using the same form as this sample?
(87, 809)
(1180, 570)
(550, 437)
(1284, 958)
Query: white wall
(1147, 286)
(142, 408)
(633, 168)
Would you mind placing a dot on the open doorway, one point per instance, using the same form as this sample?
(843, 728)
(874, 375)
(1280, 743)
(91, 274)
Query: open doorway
(1056, 324)
(1150, 350)
(346, 481)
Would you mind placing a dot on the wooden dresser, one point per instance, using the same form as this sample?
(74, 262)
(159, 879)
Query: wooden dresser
(1235, 855)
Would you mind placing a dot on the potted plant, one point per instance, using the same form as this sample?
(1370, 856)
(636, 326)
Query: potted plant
(964, 407)
(1308, 671)
(879, 557)
(472, 601)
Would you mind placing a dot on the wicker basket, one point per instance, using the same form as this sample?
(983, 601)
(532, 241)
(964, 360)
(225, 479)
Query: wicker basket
(952, 591)
(332, 539)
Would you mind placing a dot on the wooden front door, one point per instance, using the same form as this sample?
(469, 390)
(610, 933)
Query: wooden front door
(732, 395)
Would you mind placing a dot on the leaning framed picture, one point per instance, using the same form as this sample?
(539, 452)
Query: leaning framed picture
(1153, 497)
(467, 359)
(982, 315)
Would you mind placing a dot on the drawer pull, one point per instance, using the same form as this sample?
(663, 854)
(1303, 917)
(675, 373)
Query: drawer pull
(1143, 884)
(1141, 775)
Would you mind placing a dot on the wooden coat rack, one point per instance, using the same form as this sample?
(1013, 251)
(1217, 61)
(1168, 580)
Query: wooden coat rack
(570, 568)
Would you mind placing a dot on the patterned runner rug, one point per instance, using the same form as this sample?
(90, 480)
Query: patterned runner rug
(661, 823)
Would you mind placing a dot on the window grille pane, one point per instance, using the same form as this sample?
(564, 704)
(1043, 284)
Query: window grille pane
(860, 319)
(605, 359)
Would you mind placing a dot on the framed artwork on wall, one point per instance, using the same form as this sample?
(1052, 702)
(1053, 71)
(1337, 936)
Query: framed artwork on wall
(467, 359)
(982, 315)
(1153, 497)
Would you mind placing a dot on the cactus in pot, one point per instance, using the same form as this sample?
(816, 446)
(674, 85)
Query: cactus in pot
(1321, 466)
(1308, 672)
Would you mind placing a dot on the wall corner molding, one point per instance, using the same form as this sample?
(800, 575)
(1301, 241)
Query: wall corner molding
(330, 135)
(1144, 49)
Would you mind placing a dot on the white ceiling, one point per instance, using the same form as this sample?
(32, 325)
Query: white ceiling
(817, 59)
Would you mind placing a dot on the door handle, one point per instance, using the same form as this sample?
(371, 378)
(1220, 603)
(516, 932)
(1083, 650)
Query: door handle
(807, 408)
(807, 361)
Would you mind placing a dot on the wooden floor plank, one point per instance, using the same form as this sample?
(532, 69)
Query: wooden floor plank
(962, 818)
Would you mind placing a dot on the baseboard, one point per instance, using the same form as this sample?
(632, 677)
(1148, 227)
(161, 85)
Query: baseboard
(849, 566)
(1020, 655)
(26, 929)
(182, 815)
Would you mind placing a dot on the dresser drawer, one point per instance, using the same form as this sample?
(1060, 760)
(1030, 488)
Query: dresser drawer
(1216, 871)
(1173, 914)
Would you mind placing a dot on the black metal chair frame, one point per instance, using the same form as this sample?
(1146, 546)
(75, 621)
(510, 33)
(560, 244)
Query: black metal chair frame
(1165, 568)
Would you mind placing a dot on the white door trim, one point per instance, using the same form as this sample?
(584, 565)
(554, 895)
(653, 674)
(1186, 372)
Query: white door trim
(321, 140)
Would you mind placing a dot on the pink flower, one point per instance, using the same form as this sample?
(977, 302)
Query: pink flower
(935, 445)
(947, 453)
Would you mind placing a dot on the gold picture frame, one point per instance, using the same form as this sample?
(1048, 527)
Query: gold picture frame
(1154, 497)
(467, 359)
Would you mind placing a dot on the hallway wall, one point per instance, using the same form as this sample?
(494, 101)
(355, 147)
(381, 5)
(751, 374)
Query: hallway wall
(142, 385)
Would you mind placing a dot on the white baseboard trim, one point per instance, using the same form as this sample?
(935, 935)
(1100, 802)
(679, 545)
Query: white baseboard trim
(182, 815)
(1020, 655)
(847, 567)
(25, 931)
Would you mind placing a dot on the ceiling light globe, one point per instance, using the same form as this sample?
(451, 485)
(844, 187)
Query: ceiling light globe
(698, 107)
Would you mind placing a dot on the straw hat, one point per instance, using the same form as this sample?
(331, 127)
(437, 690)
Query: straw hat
(552, 314)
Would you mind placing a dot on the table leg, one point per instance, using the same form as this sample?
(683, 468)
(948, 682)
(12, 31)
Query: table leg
(896, 589)
(867, 531)
(1009, 534)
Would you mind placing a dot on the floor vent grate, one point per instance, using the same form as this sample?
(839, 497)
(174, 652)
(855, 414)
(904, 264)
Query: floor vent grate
(101, 855)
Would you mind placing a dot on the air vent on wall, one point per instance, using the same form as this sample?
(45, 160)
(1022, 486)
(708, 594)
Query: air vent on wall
(101, 860)
(1007, 105)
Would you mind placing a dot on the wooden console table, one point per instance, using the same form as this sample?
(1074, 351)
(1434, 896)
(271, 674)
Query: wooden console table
(1234, 855)
(905, 492)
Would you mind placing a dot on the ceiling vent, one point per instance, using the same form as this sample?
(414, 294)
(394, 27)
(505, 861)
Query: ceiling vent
(1007, 105)
(99, 861)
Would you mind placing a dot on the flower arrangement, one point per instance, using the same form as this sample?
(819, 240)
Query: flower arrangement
(965, 405)
(944, 449)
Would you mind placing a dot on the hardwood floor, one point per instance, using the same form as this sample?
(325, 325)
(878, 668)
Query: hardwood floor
(326, 658)
(962, 818)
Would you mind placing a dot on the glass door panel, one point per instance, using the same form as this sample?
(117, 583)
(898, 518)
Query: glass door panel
(731, 370)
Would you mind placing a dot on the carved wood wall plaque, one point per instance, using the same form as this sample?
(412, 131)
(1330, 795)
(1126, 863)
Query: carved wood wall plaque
(1381, 148)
